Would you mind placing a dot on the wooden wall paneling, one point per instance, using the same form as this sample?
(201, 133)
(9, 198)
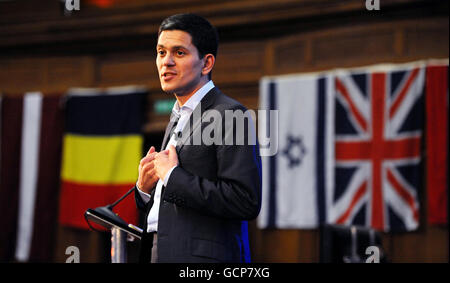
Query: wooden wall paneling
(49, 24)
(20, 75)
(359, 44)
(62, 72)
(427, 37)
(363, 44)
(269, 57)
(247, 94)
(436, 243)
(290, 54)
(128, 68)
(280, 245)
(89, 74)
(399, 41)
(309, 246)
(284, 245)
(240, 62)
(48, 75)
(341, 46)
(408, 247)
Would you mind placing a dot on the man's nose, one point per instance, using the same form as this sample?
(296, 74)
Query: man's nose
(168, 60)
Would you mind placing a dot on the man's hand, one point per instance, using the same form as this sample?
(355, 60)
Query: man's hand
(165, 160)
(147, 173)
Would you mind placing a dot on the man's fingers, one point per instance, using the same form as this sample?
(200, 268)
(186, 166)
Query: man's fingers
(172, 150)
(150, 155)
(151, 176)
(162, 154)
(148, 158)
(173, 154)
(143, 161)
(148, 173)
(154, 178)
(151, 150)
(166, 151)
(148, 166)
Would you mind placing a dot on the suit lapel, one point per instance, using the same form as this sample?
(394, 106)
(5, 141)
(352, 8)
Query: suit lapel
(196, 117)
(167, 132)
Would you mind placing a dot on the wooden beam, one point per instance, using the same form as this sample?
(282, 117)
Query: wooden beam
(90, 25)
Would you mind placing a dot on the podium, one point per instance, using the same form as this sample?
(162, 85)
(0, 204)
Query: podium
(121, 232)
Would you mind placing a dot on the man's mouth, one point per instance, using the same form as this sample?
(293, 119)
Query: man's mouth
(168, 75)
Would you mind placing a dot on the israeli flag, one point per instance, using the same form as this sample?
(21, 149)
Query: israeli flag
(297, 177)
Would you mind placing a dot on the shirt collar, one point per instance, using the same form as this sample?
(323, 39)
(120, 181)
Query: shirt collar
(195, 99)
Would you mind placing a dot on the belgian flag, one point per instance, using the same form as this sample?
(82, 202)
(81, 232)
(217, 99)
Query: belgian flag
(102, 146)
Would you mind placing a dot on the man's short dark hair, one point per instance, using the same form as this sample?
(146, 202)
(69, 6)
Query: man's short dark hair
(204, 35)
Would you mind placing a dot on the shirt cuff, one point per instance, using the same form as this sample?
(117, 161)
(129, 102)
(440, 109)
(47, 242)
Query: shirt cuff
(145, 197)
(166, 178)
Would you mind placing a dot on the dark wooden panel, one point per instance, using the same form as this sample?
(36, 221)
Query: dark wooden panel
(49, 25)
(280, 246)
(247, 94)
(436, 243)
(290, 54)
(22, 74)
(48, 75)
(428, 244)
(309, 246)
(68, 71)
(360, 44)
(127, 68)
(420, 39)
(239, 63)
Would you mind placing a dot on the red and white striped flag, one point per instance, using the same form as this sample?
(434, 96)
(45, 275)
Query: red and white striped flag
(31, 135)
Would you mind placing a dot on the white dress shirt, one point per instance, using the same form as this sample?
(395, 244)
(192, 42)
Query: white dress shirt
(184, 112)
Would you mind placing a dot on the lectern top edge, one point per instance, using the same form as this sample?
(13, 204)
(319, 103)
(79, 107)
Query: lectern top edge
(109, 224)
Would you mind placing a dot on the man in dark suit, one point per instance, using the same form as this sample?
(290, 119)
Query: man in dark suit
(197, 194)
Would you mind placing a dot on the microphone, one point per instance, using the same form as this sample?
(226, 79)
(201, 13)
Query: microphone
(106, 212)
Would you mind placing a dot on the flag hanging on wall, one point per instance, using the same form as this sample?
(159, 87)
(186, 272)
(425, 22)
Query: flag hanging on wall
(437, 143)
(379, 121)
(102, 147)
(296, 179)
(31, 137)
(377, 117)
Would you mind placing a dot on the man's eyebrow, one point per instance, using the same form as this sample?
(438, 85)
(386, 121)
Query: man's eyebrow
(173, 47)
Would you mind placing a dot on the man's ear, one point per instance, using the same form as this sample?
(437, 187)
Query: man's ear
(208, 64)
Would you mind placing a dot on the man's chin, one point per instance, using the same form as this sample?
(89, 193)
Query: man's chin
(174, 91)
(167, 89)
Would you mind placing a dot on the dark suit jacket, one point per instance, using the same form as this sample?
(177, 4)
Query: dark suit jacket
(209, 196)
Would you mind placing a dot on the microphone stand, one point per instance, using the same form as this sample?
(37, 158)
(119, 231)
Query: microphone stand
(107, 210)
(120, 199)
(120, 230)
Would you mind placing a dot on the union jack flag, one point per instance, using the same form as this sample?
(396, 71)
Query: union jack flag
(378, 126)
